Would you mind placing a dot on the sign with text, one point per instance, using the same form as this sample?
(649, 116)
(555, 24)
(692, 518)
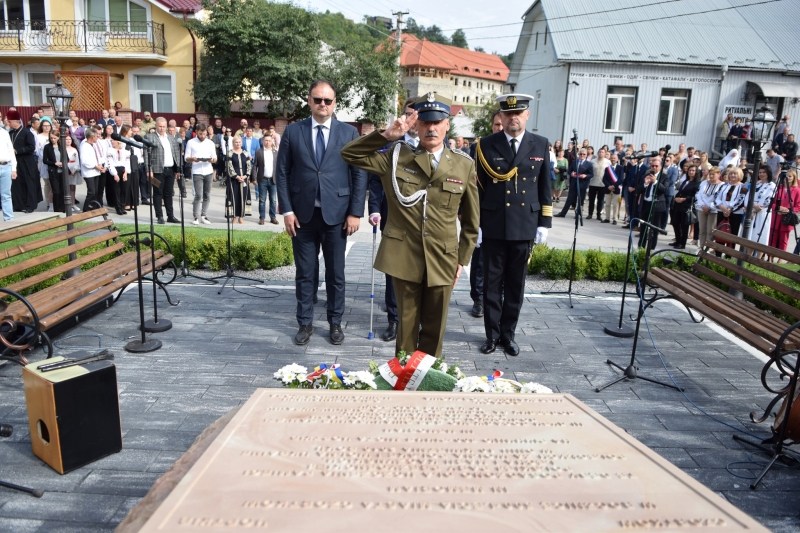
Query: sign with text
(643, 77)
(738, 111)
(296, 460)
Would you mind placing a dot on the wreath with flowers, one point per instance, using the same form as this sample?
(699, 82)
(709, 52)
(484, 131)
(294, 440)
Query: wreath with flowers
(418, 371)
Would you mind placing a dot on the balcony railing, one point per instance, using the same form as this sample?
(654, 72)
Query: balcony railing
(82, 36)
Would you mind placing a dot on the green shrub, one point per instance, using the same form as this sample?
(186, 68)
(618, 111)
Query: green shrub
(597, 265)
(244, 255)
(556, 265)
(539, 258)
(617, 267)
(215, 252)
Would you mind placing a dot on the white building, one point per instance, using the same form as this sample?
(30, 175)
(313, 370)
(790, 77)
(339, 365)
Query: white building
(654, 74)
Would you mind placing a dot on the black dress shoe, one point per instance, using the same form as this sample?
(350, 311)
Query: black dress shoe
(488, 346)
(160, 220)
(173, 220)
(680, 246)
(560, 215)
(145, 202)
(303, 335)
(673, 243)
(626, 226)
(509, 346)
(477, 309)
(391, 332)
(337, 337)
(606, 221)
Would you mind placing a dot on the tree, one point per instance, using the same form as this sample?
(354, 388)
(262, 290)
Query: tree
(433, 33)
(479, 49)
(280, 55)
(459, 38)
(482, 125)
(507, 59)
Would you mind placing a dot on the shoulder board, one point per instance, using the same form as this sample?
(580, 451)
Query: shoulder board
(461, 153)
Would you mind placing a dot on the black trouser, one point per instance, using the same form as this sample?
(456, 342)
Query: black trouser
(597, 192)
(119, 190)
(390, 300)
(310, 237)
(164, 191)
(505, 265)
(101, 187)
(182, 181)
(572, 197)
(476, 276)
(91, 192)
(657, 218)
(143, 184)
(111, 190)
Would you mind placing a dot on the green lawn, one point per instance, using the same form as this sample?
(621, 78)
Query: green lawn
(173, 233)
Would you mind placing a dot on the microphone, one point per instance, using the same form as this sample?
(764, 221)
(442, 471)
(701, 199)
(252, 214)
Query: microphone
(120, 138)
(667, 148)
(642, 155)
(140, 139)
(649, 225)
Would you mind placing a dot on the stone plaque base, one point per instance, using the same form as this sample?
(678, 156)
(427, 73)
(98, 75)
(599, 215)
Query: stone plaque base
(301, 460)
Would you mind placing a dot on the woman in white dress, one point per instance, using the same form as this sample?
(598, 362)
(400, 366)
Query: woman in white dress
(74, 166)
(762, 217)
(42, 140)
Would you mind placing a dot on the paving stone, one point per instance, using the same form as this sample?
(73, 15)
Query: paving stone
(159, 439)
(63, 507)
(118, 483)
(20, 525)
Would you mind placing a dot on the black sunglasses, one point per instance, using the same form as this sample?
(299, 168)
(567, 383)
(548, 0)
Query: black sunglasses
(328, 101)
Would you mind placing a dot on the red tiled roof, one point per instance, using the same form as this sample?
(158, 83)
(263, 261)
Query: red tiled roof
(424, 53)
(455, 109)
(179, 6)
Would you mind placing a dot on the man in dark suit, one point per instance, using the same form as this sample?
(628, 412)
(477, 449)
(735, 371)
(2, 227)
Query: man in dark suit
(580, 174)
(653, 192)
(165, 161)
(635, 181)
(322, 201)
(378, 213)
(516, 211)
(265, 165)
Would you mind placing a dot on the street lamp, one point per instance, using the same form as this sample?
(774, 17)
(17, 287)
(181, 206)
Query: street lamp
(60, 99)
(761, 133)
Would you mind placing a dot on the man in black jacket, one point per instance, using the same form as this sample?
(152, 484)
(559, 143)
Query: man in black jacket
(789, 148)
(580, 174)
(516, 210)
(654, 204)
(26, 191)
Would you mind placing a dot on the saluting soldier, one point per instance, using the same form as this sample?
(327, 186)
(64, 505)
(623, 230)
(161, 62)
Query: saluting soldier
(421, 248)
(516, 212)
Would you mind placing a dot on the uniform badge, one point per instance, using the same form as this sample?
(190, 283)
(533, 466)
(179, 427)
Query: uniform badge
(454, 181)
(537, 158)
(431, 97)
(499, 159)
(409, 170)
(511, 101)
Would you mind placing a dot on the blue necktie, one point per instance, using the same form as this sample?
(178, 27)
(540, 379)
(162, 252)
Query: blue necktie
(320, 146)
(320, 153)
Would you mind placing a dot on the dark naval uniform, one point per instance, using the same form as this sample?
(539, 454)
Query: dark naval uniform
(515, 201)
(420, 247)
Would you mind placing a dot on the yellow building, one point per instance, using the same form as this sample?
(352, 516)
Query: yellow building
(137, 52)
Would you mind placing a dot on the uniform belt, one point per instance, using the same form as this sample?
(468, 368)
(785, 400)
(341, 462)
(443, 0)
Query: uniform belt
(4, 162)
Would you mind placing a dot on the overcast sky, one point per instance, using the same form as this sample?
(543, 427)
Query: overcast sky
(471, 13)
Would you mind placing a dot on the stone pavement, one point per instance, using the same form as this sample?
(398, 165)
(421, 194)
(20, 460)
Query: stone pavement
(222, 347)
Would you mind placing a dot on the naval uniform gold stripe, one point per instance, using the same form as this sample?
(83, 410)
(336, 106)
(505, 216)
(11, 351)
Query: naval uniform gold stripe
(547, 210)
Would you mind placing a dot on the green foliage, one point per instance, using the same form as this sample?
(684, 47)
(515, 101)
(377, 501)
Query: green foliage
(274, 50)
(459, 38)
(597, 265)
(507, 59)
(433, 33)
(482, 125)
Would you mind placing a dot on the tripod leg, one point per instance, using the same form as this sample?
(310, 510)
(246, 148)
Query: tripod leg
(607, 385)
(763, 473)
(612, 363)
(659, 383)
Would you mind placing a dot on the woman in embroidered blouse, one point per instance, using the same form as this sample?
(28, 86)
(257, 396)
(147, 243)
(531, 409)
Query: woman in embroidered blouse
(779, 232)
(730, 202)
(762, 216)
(237, 193)
(706, 206)
(119, 167)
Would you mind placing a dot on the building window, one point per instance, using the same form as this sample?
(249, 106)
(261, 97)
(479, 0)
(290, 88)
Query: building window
(672, 111)
(6, 88)
(620, 107)
(22, 10)
(154, 93)
(38, 85)
(456, 81)
(116, 16)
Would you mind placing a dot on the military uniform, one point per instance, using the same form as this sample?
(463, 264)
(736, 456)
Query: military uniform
(515, 203)
(421, 248)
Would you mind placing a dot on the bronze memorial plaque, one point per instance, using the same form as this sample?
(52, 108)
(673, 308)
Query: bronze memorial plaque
(317, 460)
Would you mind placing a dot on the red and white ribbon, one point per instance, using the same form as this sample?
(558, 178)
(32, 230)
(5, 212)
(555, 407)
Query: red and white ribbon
(410, 376)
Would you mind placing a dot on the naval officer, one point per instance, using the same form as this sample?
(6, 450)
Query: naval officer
(421, 247)
(516, 212)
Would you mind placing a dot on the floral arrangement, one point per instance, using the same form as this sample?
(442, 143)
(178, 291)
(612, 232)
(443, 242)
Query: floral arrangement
(417, 371)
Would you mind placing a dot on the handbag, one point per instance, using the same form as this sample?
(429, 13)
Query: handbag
(724, 226)
(790, 219)
(691, 214)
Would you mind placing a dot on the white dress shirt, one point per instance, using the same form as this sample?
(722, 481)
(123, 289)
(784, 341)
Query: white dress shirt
(91, 156)
(169, 162)
(119, 158)
(326, 132)
(203, 149)
(518, 138)
(7, 150)
(437, 156)
(268, 163)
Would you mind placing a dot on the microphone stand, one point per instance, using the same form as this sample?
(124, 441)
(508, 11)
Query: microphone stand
(185, 269)
(578, 221)
(155, 325)
(631, 372)
(231, 210)
(144, 345)
(621, 330)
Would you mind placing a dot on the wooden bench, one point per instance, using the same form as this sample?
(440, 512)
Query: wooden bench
(90, 289)
(752, 319)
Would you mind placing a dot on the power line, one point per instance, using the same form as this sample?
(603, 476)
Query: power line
(603, 26)
(602, 12)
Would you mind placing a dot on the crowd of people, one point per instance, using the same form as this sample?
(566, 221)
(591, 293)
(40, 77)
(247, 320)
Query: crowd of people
(114, 171)
(681, 188)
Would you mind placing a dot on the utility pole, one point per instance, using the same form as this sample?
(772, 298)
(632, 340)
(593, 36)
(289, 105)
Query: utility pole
(399, 43)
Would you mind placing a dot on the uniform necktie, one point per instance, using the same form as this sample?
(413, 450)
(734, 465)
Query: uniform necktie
(514, 146)
(432, 162)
